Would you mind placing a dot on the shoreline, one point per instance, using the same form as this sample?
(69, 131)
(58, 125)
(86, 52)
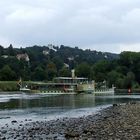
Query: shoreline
(115, 122)
(74, 113)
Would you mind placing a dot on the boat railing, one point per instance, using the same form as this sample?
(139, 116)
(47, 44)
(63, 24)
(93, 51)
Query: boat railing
(106, 89)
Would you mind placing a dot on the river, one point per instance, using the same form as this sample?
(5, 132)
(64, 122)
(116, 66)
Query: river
(26, 107)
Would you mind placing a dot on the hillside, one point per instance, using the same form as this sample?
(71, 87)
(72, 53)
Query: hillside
(42, 55)
(68, 54)
(45, 62)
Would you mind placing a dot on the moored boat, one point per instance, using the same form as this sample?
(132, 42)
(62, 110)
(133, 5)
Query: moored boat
(104, 92)
(66, 85)
(24, 89)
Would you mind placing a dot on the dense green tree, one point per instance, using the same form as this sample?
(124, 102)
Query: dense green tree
(58, 62)
(113, 77)
(65, 72)
(51, 71)
(83, 70)
(120, 83)
(25, 74)
(10, 50)
(137, 71)
(39, 74)
(7, 74)
(101, 69)
(129, 80)
(1, 50)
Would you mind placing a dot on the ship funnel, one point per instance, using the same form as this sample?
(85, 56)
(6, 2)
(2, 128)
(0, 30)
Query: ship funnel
(73, 73)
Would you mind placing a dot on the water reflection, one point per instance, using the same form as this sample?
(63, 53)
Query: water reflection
(44, 106)
(103, 100)
(18, 104)
(17, 101)
(64, 101)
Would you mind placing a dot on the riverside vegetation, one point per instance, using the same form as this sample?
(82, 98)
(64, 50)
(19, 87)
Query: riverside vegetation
(43, 63)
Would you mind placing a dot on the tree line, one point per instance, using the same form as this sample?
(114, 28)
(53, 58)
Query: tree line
(46, 63)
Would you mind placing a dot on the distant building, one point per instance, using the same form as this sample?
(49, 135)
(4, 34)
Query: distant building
(105, 56)
(51, 47)
(4, 56)
(46, 52)
(66, 65)
(23, 57)
(71, 58)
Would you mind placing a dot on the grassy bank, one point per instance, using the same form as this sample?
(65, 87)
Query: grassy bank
(8, 86)
(13, 85)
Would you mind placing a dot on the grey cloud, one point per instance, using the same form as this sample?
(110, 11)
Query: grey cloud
(104, 25)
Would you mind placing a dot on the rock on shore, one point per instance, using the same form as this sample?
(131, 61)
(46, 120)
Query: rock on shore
(118, 122)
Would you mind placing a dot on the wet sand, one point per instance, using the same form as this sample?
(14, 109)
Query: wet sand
(118, 122)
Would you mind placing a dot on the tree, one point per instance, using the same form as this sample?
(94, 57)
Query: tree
(83, 70)
(1, 50)
(7, 74)
(10, 50)
(51, 71)
(137, 72)
(39, 74)
(58, 62)
(129, 80)
(101, 69)
(65, 72)
(113, 77)
(120, 83)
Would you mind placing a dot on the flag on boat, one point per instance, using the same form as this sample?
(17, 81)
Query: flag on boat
(19, 82)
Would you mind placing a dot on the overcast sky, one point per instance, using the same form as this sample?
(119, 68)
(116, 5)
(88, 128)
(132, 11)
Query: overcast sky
(105, 25)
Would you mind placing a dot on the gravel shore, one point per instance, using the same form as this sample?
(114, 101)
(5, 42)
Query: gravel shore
(118, 122)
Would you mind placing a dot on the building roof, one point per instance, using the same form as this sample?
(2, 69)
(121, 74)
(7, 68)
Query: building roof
(70, 78)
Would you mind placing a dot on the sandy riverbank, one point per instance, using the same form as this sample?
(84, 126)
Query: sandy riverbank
(118, 122)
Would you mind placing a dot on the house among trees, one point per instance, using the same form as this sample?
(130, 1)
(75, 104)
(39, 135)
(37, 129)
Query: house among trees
(71, 58)
(46, 52)
(51, 47)
(23, 57)
(4, 56)
(66, 65)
